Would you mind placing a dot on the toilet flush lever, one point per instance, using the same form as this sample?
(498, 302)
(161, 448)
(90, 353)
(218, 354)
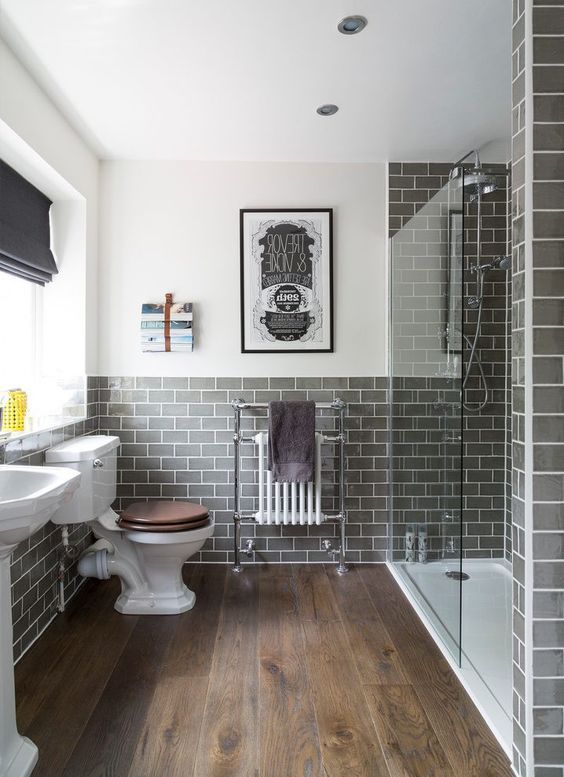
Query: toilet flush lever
(98, 464)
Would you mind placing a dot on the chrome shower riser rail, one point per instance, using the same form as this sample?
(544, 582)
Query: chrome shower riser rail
(240, 516)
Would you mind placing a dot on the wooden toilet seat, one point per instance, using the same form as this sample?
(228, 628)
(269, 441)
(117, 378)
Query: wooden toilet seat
(163, 516)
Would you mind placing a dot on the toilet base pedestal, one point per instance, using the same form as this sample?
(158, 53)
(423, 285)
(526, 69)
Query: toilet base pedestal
(151, 604)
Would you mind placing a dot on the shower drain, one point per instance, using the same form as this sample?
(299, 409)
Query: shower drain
(457, 575)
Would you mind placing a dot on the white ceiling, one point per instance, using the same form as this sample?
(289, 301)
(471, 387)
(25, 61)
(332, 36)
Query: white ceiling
(241, 79)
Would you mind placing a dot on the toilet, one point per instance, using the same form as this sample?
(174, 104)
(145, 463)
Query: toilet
(145, 546)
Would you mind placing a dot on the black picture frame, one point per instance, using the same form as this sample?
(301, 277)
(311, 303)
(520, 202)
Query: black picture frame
(267, 331)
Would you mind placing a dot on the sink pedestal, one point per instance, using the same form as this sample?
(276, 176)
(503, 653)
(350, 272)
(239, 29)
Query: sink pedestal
(18, 755)
(29, 496)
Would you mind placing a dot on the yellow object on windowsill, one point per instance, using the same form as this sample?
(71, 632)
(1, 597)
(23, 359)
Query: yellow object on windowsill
(14, 410)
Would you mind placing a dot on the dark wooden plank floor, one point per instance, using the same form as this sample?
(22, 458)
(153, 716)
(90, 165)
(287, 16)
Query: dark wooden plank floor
(282, 671)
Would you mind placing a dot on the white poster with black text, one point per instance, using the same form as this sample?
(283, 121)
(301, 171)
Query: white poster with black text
(286, 281)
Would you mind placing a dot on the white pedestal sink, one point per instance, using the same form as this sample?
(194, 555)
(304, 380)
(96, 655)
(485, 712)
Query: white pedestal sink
(28, 498)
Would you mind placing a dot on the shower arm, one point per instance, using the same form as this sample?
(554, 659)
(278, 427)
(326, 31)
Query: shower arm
(477, 162)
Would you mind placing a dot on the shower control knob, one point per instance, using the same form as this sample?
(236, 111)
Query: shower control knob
(98, 464)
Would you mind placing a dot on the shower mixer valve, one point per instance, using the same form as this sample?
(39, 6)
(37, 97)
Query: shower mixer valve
(442, 333)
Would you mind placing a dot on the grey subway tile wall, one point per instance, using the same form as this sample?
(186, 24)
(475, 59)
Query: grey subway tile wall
(177, 443)
(426, 472)
(538, 438)
(35, 562)
(425, 406)
(547, 439)
(520, 579)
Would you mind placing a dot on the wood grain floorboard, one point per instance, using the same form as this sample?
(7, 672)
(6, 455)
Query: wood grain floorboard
(70, 681)
(115, 727)
(169, 740)
(281, 671)
(422, 662)
(289, 743)
(315, 595)
(110, 738)
(43, 666)
(375, 654)
(193, 643)
(228, 745)
(349, 744)
(410, 744)
(468, 742)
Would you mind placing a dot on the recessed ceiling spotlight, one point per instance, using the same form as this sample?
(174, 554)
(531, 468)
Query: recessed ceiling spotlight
(350, 25)
(327, 110)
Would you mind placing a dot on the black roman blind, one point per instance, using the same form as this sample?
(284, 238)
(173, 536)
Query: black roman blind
(25, 232)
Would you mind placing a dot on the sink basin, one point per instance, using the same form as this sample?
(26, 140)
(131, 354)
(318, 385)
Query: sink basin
(28, 498)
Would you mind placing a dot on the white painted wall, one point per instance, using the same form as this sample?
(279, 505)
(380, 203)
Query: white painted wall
(37, 141)
(174, 226)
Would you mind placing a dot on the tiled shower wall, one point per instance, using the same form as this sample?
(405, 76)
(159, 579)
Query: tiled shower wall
(35, 561)
(522, 703)
(538, 427)
(426, 485)
(426, 468)
(177, 443)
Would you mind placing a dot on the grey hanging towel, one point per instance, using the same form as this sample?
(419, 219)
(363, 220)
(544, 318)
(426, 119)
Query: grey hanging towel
(291, 441)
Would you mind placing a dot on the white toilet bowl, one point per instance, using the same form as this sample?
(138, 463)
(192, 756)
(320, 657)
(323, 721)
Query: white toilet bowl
(148, 563)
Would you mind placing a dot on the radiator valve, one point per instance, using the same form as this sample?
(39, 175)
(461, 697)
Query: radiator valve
(248, 548)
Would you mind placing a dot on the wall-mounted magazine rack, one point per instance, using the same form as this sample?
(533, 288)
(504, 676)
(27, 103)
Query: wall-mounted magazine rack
(166, 326)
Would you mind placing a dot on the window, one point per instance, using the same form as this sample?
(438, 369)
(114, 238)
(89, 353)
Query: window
(42, 340)
(19, 300)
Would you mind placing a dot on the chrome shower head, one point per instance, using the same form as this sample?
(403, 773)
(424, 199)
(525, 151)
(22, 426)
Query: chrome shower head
(502, 263)
(499, 263)
(477, 182)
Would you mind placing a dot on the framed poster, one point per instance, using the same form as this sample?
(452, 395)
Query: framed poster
(287, 280)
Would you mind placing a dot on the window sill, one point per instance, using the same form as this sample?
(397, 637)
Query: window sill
(36, 425)
(40, 435)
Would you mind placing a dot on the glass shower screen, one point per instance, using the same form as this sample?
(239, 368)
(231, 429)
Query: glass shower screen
(426, 356)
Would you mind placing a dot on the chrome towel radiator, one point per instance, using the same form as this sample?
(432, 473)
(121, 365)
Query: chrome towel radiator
(288, 504)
